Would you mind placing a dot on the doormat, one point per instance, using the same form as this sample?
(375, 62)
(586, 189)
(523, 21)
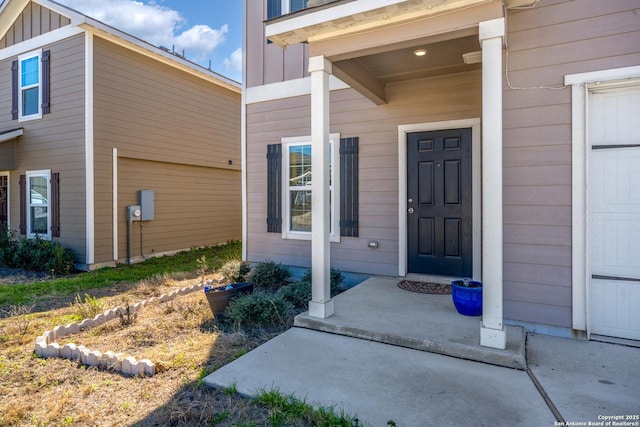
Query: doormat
(425, 288)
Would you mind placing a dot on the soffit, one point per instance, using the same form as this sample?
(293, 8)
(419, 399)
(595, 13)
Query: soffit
(346, 17)
(444, 57)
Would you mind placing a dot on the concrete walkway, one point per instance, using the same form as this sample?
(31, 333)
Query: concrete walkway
(570, 380)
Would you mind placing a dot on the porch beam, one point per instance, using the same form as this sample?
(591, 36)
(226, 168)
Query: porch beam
(492, 330)
(360, 79)
(321, 304)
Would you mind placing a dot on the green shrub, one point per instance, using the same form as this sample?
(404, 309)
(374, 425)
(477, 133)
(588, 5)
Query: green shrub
(258, 308)
(336, 278)
(34, 254)
(234, 271)
(269, 275)
(298, 293)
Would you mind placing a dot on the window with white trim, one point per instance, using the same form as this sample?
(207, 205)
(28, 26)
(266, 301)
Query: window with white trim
(30, 86)
(38, 203)
(297, 176)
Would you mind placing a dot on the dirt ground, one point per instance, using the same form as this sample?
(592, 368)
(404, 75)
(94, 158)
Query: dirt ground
(180, 336)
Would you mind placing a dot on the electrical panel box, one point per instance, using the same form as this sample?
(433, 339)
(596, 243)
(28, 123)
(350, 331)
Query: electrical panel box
(133, 213)
(147, 204)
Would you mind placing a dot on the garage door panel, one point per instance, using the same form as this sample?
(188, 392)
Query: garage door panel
(614, 221)
(614, 308)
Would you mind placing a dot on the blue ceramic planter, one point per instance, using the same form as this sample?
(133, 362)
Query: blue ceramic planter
(467, 299)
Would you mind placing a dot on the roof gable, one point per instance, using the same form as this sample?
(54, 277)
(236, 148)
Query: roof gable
(14, 16)
(33, 21)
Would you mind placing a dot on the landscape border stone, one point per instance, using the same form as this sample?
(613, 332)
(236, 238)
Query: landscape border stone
(47, 347)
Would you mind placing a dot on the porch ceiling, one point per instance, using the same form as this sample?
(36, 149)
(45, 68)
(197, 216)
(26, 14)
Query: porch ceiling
(370, 74)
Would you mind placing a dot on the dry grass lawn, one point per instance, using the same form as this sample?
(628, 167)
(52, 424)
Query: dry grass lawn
(180, 336)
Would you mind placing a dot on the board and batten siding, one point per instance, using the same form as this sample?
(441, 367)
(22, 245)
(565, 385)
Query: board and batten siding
(419, 101)
(56, 141)
(174, 132)
(34, 20)
(268, 62)
(555, 38)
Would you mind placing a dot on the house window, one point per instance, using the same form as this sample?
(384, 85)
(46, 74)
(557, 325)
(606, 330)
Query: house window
(297, 177)
(38, 203)
(30, 83)
(282, 7)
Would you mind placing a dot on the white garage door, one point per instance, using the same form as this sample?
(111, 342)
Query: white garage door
(614, 181)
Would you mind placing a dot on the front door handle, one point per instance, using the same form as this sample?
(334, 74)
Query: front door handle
(410, 210)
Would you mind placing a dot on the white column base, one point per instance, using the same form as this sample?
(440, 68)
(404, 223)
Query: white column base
(494, 338)
(321, 310)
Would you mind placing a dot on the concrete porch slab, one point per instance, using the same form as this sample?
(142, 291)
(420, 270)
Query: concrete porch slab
(381, 382)
(377, 310)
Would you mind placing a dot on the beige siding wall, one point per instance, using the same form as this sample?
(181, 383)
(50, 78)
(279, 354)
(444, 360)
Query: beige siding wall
(32, 22)
(545, 43)
(56, 141)
(420, 101)
(268, 62)
(194, 206)
(183, 131)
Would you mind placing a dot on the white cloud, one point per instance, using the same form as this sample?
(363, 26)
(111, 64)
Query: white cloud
(155, 24)
(234, 62)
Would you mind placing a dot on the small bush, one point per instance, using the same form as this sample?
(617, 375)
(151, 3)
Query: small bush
(336, 278)
(34, 254)
(90, 307)
(234, 271)
(298, 293)
(269, 275)
(258, 308)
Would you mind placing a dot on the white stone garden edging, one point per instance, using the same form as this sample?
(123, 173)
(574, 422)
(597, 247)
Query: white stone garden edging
(47, 347)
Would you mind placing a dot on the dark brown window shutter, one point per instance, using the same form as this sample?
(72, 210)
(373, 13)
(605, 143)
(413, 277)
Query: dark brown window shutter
(55, 204)
(23, 204)
(349, 187)
(46, 81)
(274, 188)
(14, 90)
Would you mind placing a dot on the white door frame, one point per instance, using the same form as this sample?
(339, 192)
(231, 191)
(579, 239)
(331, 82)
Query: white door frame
(580, 245)
(403, 131)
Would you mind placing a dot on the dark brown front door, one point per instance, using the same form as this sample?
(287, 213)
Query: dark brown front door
(4, 201)
(439, 202)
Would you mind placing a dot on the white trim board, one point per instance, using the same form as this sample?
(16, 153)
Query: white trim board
(476, 158)
(579, 174)
(287, 89)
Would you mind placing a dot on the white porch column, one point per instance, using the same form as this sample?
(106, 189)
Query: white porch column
(321, 304)
(492, 330)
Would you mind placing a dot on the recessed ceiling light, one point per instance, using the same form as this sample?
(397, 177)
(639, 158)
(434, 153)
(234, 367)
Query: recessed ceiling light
(420, 52)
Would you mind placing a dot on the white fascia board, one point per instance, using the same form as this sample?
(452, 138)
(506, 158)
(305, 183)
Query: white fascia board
(328, 14)
(385, 10)
(287, 89)
(8, 136)
(39, 41)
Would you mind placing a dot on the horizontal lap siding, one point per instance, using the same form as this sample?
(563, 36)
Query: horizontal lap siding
(547, 42)
(56, 141)
(447, 98)
(194, 206)
(180, 132)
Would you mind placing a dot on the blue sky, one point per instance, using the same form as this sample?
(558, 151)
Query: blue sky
(207, 30)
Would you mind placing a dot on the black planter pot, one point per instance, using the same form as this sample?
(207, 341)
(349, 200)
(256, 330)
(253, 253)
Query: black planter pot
(219, 297)
(467, 299)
